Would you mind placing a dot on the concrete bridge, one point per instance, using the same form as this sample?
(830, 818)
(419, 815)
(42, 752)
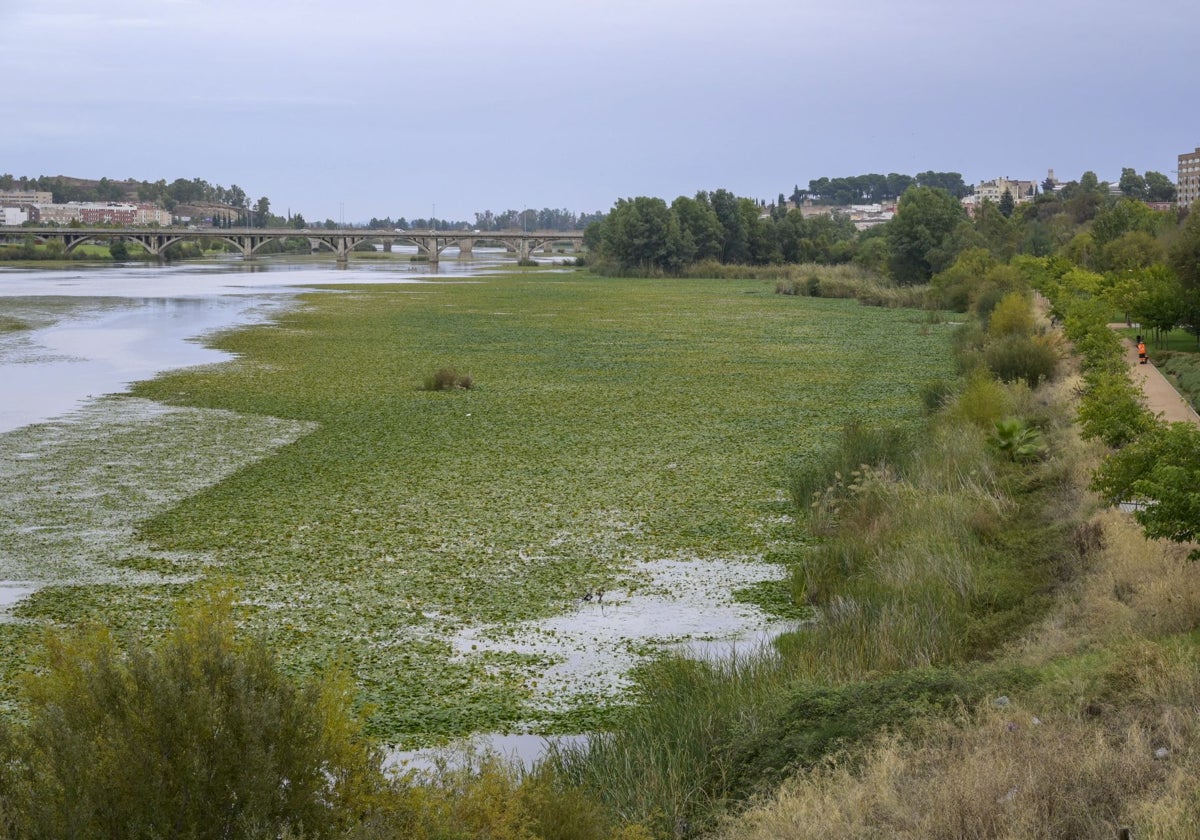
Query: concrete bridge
(250, 241)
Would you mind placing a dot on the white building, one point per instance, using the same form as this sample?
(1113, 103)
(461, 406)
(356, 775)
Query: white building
(994, 190)
(13, 216)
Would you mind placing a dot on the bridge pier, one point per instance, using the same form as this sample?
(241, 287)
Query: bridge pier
(465, 247)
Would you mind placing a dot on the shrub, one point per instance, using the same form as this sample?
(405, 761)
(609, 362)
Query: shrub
(1011, 316)
(201, 736)
(448, 379)
(1017, 440)
(982, 402)
(1021, 357)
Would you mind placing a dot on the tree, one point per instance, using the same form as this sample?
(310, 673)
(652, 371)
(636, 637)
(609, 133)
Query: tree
(735, 238)
(1162, 469)
(1159, 187)
(1132, 184)
(262, 212)
(925, 219)
(199, 736)
(1184, 255)
(951, 182)
(1158, 301)
(642, 233)
(1006, 204)
(698, 220)
(1131, 250)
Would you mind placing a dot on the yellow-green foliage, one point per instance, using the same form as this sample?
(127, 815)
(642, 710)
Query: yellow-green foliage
(982, 401)
(200, 736)
(1012, 316)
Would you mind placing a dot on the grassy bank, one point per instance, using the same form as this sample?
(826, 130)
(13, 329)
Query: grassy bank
(610, 422)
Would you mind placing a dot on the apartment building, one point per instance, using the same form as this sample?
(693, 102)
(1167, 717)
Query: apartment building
(96, 213)
(1187, 184)
(17, 198)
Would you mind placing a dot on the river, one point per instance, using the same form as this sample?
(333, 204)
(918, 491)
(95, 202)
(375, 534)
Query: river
(95, 329)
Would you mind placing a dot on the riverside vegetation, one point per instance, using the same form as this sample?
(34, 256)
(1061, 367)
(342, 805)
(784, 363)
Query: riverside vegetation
(997, 652)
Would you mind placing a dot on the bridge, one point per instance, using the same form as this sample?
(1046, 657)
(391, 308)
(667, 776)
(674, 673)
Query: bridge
(250, 241)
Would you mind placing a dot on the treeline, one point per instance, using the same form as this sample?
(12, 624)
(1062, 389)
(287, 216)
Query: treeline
(1146, 258)
(547, 218)
(168, 196)
(874, 188)
(647, 235)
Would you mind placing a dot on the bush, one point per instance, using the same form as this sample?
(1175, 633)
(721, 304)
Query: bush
(448, 379)
(201, 736)
(1011, 316)
(982, 402)
(1021, 357)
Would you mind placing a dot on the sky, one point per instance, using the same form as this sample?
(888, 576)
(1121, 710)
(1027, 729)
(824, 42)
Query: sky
(363, 108)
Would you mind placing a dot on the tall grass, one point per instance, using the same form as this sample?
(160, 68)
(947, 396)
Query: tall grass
(669, 762)
(930, 548)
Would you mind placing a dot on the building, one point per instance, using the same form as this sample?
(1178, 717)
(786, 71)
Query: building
(101, 213)
(994, 190)
(18, 198)
(13, 216)
(1188, 184)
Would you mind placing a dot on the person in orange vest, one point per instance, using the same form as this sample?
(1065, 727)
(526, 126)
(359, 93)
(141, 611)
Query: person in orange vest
(1141, 351)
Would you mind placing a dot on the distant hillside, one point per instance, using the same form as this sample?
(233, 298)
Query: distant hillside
(194, 197)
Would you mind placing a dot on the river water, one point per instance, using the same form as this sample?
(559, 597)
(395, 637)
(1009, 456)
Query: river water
(96, 329)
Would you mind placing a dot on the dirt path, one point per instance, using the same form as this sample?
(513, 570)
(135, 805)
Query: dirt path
(1161, 397)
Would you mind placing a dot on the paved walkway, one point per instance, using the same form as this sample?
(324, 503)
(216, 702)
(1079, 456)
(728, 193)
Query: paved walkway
(1161, 397)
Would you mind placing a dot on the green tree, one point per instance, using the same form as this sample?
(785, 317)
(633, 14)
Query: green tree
(1162, 469)
(200, 736)
(1158, 302)
(925, 219)
(735, 238)
(1130, 251)
(698, 220)
(1184, 254)
(1132, 184)
(642, 233)
(1112, 409)
(763, 249)
(262, 212)
(1007, 202)
(1159, 187)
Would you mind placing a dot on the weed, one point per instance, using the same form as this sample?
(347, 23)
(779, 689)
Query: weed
(448, 379)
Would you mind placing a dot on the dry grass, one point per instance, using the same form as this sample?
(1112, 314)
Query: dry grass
(1008, 775)
(1101, 746)
(1136, 589)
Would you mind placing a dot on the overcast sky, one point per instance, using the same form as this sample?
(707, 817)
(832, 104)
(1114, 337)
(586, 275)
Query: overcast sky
(361, 108)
